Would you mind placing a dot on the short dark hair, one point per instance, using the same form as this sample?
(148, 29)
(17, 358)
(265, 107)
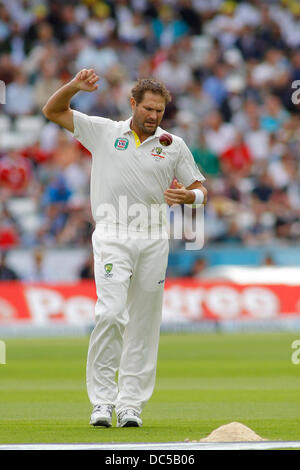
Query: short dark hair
(150, 84)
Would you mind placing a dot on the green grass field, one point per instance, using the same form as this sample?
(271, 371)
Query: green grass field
(203, 381)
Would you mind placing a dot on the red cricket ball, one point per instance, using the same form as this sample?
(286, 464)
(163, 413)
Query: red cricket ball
(166, 139)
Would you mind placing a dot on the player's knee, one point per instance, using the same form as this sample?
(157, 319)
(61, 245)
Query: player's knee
(112, 314)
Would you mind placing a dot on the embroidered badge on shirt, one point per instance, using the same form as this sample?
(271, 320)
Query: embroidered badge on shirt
(108, 268)
(121, 143)
(157, 153)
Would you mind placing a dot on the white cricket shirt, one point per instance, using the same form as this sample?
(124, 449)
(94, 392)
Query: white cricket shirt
(128, 178)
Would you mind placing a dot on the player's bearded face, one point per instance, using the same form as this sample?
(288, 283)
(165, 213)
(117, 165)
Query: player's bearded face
(147, 115)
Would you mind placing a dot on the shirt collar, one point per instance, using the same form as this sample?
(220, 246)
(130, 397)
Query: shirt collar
(126, 129)
(126, 126)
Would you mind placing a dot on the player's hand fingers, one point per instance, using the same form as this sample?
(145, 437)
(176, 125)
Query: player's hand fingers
(90, 75)
(175, 193)
(94, 79)
(83, 74)
(173, 200)
(90, 72)
(86, 74)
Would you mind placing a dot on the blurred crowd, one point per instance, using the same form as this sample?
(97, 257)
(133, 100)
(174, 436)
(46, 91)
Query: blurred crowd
(232, 68)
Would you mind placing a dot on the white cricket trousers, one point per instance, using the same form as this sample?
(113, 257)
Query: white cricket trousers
(129, 276)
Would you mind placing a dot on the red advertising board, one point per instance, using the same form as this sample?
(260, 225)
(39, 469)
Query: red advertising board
(185, 300)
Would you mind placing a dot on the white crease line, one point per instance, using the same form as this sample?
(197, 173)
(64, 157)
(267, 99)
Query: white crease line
(160, 446)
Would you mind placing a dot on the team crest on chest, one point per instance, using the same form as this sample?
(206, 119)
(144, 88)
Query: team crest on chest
(158, 154)
(121, 143)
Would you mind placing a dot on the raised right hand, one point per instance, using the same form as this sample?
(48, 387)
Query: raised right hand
(86, 79)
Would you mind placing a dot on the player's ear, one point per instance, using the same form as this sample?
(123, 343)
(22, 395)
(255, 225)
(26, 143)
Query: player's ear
(132, 103)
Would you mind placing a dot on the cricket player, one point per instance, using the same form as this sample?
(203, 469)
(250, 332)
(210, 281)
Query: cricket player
(131, 178)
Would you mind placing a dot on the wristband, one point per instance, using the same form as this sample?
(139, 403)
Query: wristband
(199, 196)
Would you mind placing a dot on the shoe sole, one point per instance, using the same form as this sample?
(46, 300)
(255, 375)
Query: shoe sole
(101, 423)
(129, 424)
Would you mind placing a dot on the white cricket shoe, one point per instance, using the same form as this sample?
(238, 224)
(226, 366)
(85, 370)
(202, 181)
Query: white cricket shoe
(129, 419)
(102, 415)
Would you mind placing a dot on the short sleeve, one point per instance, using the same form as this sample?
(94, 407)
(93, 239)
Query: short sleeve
(89, 129)
(186, 171)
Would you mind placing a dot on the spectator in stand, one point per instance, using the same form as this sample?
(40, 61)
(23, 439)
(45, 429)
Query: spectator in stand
(10, 232)
(87, 270)
(14, 45)
(104, 106)
(233, 233)
(47, 83)
(66, 150)
(19, 96)
(230, 66)
(175, 74)
(57, 192)
(268, 73)
(77, 230)
(206, 159)
(237, 158)
(4, 23)
(135, 30)
(268, 260)
(185, 127)
(258, 142)
(225, 25)
(100, 55)
(70, 23)
(15, 172)
(273, 115)
(99, 25)
(260, 232)
(198, 268)
(168, 27)
(196, 100)
(264, 188)
(218, 134)
(214, 84)
(243, 119)
(8, 70)
(54, 219)
(44, 46)
(283, 170)
(269, 30)
(6, 273)
(39, 271)
(248, 43)
(190, 16)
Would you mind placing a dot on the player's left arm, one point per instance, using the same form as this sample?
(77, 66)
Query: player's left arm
(182, 195)
(186, 170)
